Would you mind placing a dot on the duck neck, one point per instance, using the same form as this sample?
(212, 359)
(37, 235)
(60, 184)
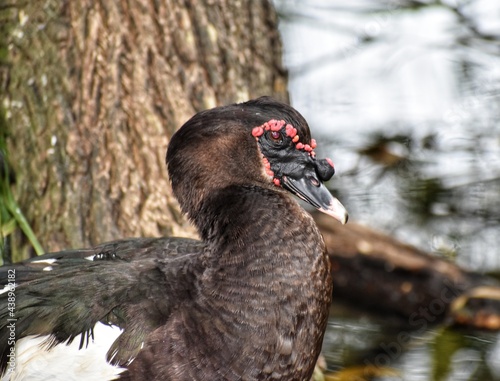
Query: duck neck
(266, 281)
(251, 226)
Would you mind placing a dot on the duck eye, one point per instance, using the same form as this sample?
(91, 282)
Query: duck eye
(275, 136)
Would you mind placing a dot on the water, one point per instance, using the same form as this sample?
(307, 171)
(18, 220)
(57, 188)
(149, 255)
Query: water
(406, 100)
(361, 344)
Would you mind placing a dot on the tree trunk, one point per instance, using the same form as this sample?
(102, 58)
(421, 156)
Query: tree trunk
(94, 89)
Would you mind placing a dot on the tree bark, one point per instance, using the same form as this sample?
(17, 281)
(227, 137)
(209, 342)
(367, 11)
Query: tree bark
(92, 91)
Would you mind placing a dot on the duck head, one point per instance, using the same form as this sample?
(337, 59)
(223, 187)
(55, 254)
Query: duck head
(261, 142)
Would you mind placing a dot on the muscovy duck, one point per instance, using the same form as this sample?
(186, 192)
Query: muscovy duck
(247, 302)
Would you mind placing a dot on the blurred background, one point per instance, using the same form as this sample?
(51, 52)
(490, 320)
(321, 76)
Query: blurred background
(404, 96)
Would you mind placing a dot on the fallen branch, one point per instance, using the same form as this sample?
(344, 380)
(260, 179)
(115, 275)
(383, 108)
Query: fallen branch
(375, 271)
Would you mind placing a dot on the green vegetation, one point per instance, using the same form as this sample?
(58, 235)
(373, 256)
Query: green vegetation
(11, 217)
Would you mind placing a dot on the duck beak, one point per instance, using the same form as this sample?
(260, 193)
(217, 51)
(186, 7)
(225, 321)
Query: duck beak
(312, 190)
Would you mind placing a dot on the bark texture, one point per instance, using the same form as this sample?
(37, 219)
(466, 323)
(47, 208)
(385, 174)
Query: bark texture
(92, 91)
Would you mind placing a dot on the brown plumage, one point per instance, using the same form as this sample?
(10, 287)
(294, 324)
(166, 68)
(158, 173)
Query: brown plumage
(248, 302)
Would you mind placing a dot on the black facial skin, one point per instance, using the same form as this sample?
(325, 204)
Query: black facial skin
(287, 160)
(298, 171)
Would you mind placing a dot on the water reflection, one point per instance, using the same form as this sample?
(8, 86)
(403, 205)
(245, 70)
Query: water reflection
(405, 96)
(370, 347)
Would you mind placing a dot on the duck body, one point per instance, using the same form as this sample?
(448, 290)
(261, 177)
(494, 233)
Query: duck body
(246, 314)
(247, 302)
